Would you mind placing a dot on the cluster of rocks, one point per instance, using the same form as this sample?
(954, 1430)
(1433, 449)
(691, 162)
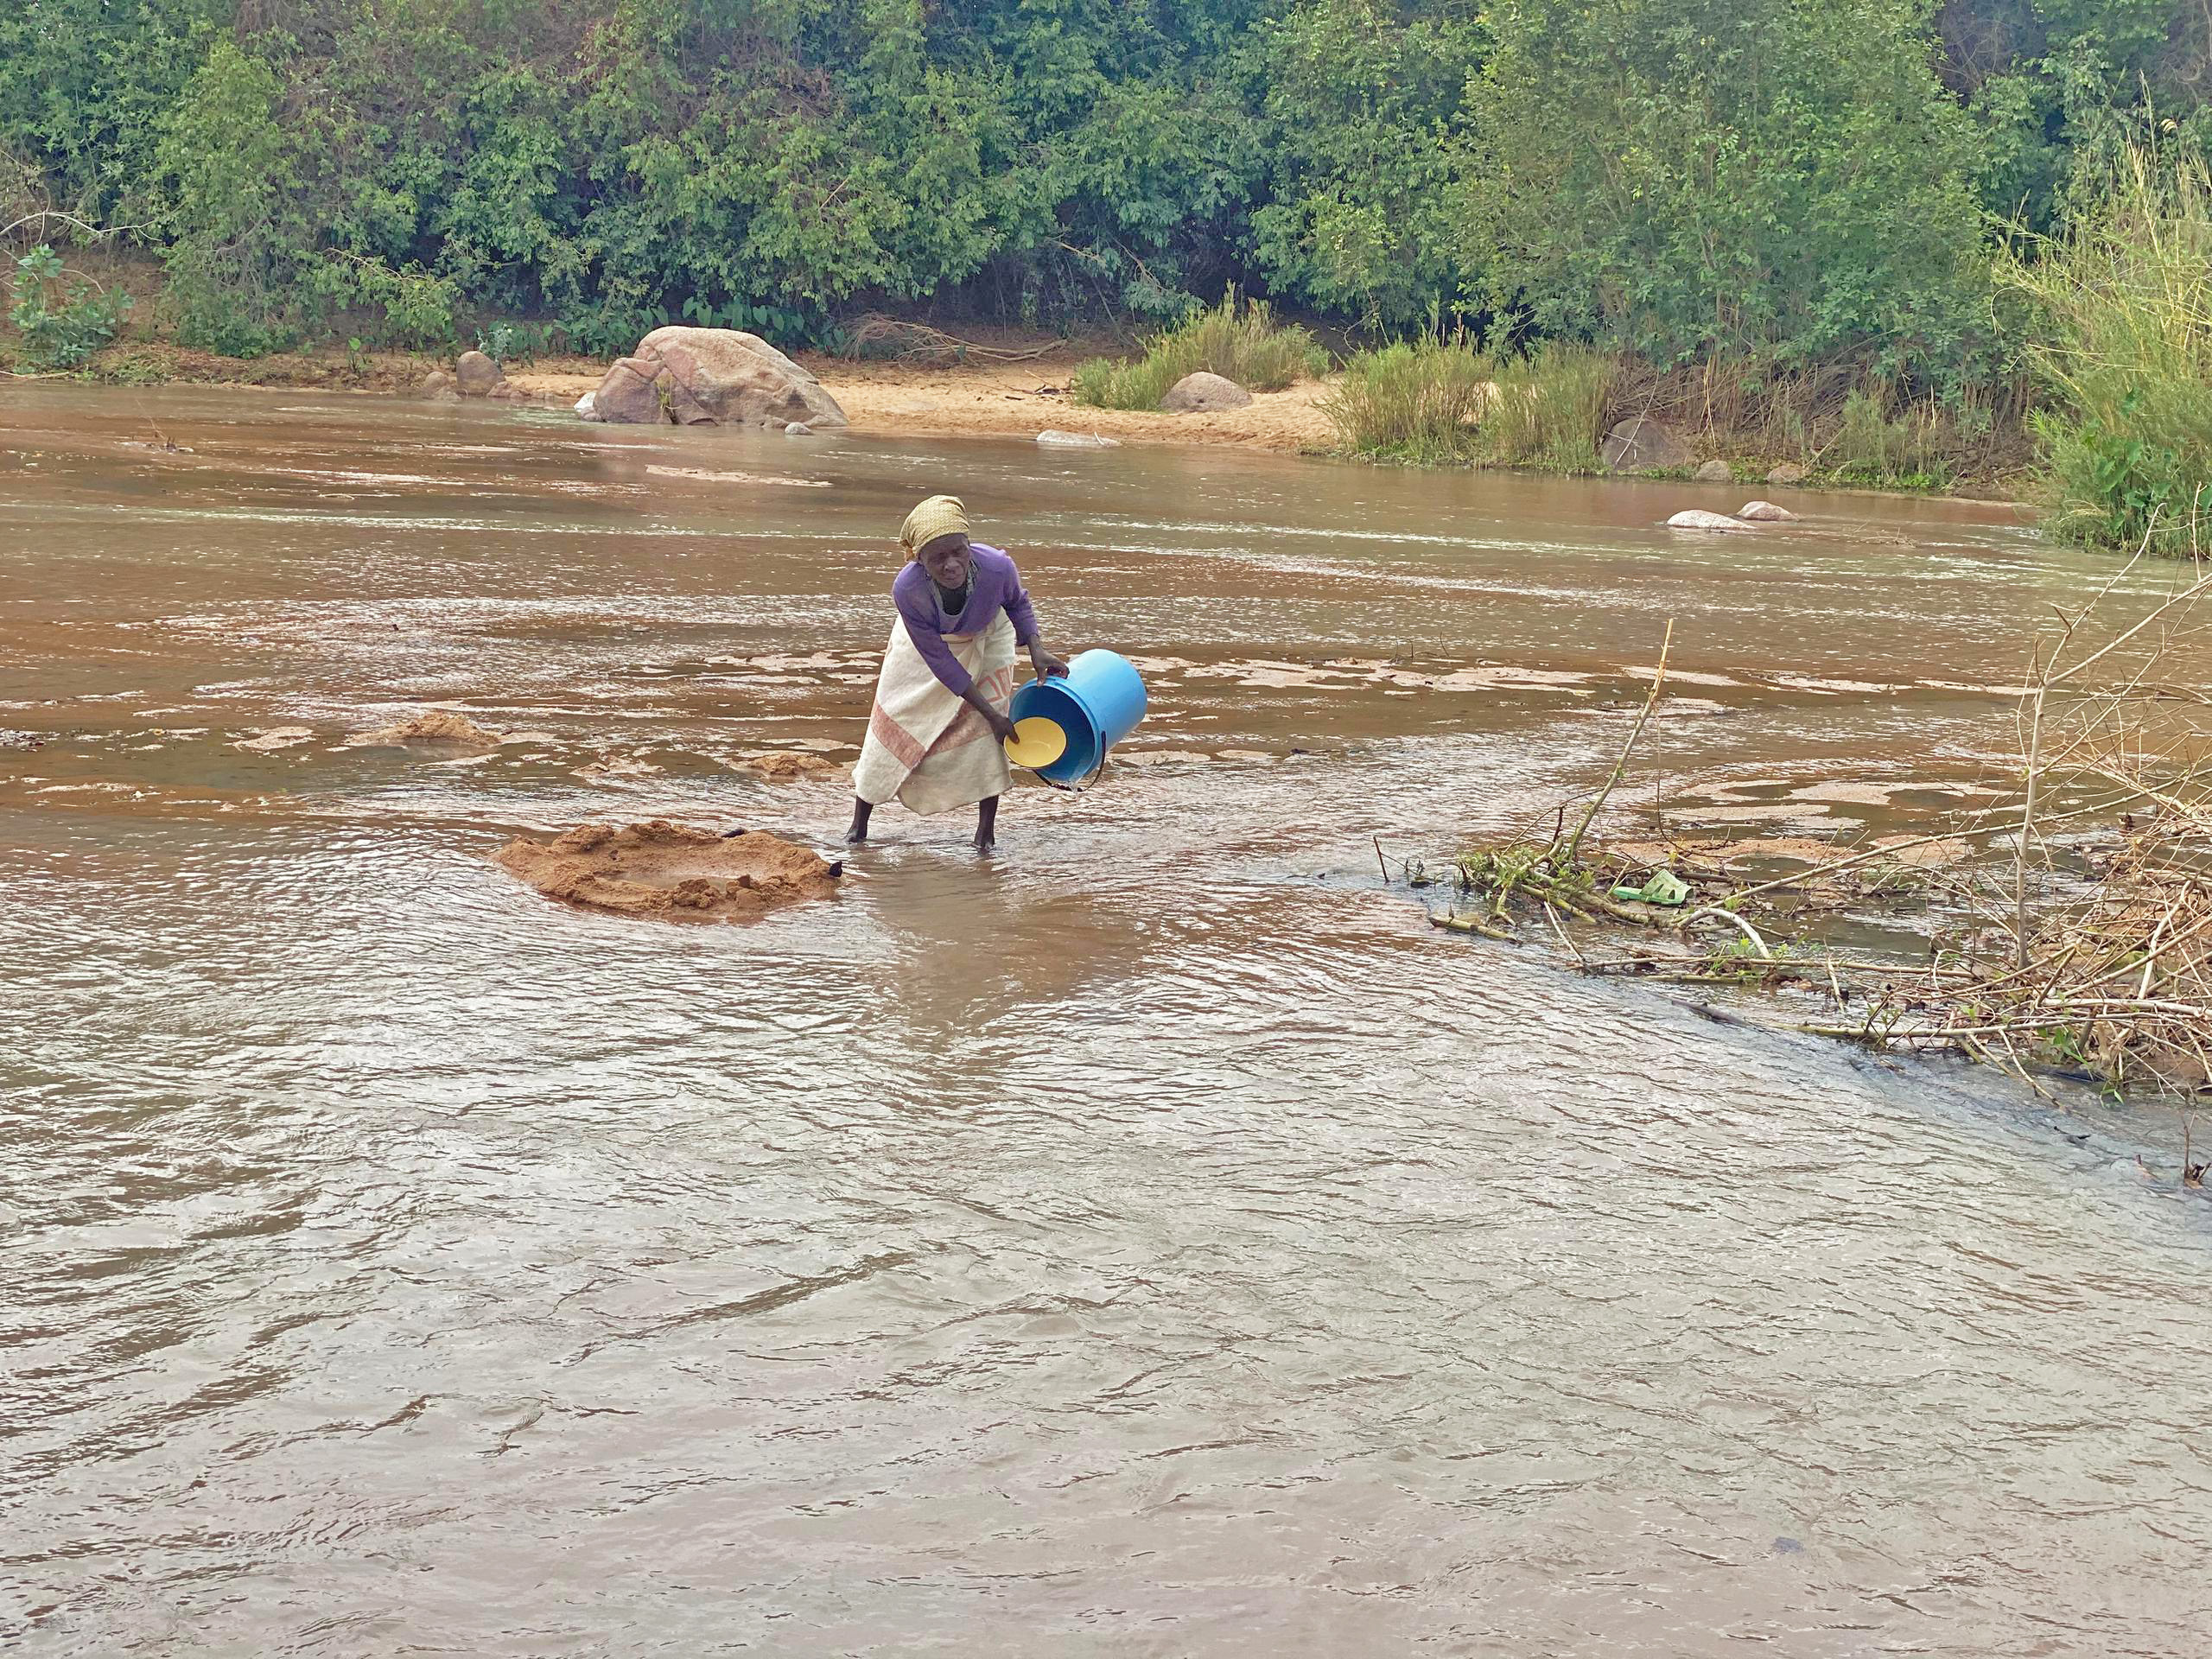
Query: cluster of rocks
(475, 375)
(709, 376)
(1751, 512)
(1641, 444)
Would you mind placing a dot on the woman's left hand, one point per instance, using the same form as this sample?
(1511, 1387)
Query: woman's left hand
(1047, 665)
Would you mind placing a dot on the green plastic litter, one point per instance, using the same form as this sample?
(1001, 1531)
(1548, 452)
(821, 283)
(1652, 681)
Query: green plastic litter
(1664, 888)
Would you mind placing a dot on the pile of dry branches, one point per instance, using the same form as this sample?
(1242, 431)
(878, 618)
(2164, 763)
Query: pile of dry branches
(2079, 933)
(876, 335)
(2086, 942)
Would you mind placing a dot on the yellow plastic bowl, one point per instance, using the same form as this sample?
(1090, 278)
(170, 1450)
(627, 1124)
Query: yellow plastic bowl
(1036, 743)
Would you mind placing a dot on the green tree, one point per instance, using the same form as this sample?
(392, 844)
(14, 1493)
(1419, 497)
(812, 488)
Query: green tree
(1773, 181)
(2053, 85)
(84, 85)
(1365, 115)
(223, 170)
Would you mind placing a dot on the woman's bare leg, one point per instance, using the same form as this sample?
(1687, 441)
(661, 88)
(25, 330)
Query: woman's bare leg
(986, 823)
(858, 833)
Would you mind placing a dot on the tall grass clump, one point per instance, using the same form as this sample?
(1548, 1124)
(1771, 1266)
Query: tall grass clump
(1239, 339)
(2123, 344)
(1549, 410)
(1420, 401)
(1871, 446)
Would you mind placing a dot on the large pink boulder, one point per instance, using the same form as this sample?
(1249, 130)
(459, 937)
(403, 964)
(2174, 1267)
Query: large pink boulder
(719, 377)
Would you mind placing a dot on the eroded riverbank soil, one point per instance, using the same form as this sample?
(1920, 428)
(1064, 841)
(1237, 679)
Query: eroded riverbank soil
(669, 872)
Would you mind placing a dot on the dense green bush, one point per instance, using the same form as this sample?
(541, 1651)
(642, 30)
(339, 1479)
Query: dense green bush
(1238, 338)
(1363, 109)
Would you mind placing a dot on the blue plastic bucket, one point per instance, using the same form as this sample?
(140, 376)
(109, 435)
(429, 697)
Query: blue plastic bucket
(1097, 705)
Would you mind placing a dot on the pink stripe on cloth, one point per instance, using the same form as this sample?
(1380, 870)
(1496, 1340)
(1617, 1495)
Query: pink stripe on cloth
(893, 737)
(926, 748)
(968, 725)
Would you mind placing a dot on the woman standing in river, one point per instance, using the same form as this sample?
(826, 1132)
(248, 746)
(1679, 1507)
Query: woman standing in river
(936, 737)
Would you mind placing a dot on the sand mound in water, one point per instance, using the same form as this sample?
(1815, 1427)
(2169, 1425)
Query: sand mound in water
(669, 872)
(789, 766)
(439, 725)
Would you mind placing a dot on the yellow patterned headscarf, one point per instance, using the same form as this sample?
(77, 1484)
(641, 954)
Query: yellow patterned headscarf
(941, 515)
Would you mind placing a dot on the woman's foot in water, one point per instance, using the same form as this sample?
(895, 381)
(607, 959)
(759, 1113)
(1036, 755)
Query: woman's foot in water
(986, 824)
(857, 834)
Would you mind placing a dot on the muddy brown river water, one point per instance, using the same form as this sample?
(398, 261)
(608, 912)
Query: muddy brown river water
(1153, 1241)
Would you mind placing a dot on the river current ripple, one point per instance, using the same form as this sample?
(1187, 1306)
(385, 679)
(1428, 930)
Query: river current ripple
(1156, 1241)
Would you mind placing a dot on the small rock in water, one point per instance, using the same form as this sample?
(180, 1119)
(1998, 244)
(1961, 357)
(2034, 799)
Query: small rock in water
(798, 429)
(1714, 472)
(440, 387)
(1788, 1547)
(1765, 512)
(588, 406)
(437, 726)
(1698, 518)
(281, 737)
(1053, 438)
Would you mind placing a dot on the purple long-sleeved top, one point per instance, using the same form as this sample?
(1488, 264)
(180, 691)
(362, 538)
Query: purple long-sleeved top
(996, 587)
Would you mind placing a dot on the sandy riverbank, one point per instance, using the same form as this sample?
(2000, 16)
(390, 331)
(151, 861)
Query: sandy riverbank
(1019, 400)
(983, 397)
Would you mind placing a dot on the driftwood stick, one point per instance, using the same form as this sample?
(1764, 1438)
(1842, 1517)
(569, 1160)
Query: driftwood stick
(2028, 804)
(1551, 915)
(1473, 924)
(1620, 766)
(1750, 933)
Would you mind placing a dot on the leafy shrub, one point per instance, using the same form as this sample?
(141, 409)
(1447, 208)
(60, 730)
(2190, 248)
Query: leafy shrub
(1363, 105)
(1549, 410)
(779, 325)
(504, 343)
(608, 330)
(62, 316)
(2124, 344)
(417, 306)
(1420, 401)
(1239, 339)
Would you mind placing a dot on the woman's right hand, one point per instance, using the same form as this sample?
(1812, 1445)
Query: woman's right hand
(1001, 725)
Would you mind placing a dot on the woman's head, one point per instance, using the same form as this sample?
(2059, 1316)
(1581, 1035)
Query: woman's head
(936, 536)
